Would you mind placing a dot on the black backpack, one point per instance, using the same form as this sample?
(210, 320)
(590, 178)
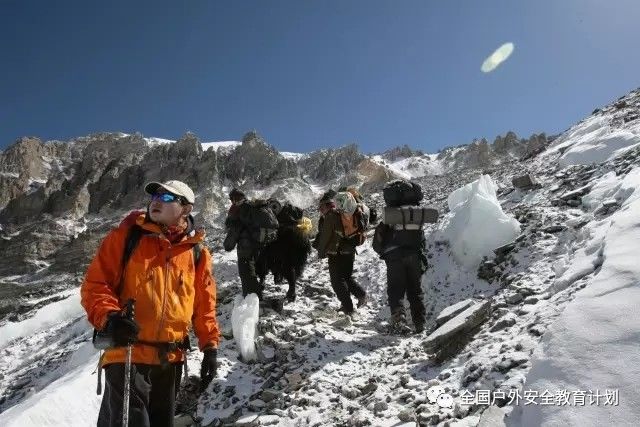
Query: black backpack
(102, 339)
(401, 192)
(264, 224)
(289, 215)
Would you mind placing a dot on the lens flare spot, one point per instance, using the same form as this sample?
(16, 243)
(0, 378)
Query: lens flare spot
(498, 57)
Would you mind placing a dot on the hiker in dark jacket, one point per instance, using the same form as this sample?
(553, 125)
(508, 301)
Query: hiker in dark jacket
(404, 251)
(239, 236)
(341, 253)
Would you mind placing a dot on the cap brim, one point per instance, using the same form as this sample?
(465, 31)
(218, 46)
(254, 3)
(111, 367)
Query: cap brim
(152, 187)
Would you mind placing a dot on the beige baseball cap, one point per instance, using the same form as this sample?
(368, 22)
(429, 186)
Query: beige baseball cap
(178, 188)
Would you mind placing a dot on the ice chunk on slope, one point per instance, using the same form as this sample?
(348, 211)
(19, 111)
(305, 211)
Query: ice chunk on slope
(244, 319)
(478, 224)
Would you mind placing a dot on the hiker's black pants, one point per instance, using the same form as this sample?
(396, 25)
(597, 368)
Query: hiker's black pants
(342, 281)
(404, 276)
(248, 276)
(152, 395)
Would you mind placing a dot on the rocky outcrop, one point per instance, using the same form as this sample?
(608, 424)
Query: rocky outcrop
(504, 149)
(257, 162)
(27, 164)
(402, 152)
(457, 331)
(328, 165)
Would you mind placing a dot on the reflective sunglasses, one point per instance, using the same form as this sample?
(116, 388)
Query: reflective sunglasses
(166, 197)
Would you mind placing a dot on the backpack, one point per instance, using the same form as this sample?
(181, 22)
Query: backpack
(289, 215)
(264, 224)
(409, 217)
(102, 339)
(354, 226)
(345, 202)
(401, 192)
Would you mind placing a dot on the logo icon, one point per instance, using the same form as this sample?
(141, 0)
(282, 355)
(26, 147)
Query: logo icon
(436, 394)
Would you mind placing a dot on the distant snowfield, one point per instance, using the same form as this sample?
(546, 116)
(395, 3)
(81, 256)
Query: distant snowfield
(594, 141)
(220, 144)
(292, 156)
(412, 167)
(215, 145)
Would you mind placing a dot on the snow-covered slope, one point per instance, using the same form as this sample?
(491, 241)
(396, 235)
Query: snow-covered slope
(593, 345)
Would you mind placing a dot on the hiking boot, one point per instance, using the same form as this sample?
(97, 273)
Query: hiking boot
(397, 317)
(344, 321)
(345, 311)
(398, 322)
(291, 295)
(362, 301)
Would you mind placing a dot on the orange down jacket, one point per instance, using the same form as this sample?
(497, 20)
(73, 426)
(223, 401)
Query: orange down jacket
(169, 292)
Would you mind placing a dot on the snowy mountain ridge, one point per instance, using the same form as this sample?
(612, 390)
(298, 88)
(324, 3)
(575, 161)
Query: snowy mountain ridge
(560, 297)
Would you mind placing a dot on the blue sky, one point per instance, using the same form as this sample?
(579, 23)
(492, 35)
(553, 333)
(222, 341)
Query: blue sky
(311, 74)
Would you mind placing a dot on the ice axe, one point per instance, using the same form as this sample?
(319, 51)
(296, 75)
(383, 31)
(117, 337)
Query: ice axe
(129, 313)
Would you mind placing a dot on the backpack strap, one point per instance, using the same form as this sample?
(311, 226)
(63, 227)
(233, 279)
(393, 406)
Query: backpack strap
(197, 252)
(133, 238)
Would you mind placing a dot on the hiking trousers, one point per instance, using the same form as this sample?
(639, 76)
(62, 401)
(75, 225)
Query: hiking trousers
(249, 276)
(342, 281)
(152, 395)
(404, 277)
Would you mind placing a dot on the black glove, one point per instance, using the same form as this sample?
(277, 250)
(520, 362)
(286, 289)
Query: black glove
(209, 366)
(230, 240)
(123, 330)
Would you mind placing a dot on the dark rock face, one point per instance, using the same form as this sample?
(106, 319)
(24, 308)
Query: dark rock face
(329, 165)
(402, 152)
(255, 161)
(27, 165)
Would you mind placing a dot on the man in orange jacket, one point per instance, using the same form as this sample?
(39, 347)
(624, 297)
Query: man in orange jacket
(172, 286)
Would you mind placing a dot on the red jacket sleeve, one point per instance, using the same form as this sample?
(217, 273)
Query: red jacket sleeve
(204, 311)
(97, 293)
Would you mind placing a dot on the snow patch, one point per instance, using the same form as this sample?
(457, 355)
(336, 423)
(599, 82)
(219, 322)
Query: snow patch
(158, 141)
(215, 146)
(594, 141)
(292, 156)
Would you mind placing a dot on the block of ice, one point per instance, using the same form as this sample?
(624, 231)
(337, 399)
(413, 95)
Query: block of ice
(244, 319)
(478, 224)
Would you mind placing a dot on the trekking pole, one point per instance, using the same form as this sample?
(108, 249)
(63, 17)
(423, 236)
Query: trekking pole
(127, 369)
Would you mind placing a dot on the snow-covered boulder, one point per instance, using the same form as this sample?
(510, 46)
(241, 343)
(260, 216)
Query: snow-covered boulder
(454, 333)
